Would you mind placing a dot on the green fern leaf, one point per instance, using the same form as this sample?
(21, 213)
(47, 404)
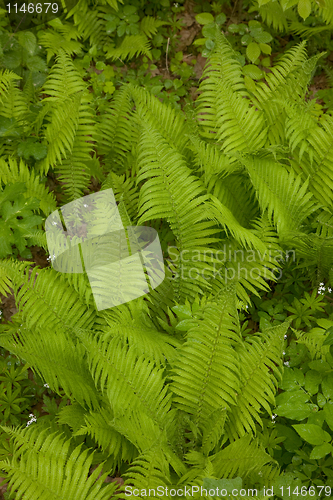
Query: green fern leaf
(46, 467)
(261, 363)
(206, 370)
(131, 46)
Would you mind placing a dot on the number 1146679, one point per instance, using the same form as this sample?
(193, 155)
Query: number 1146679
(311, 491)
(33, 8)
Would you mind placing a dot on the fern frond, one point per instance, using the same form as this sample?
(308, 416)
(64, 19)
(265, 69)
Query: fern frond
(132, 323)
(72, 415)
(131, 46)
(14, 103)
(90, 24)
(11, 171)
(131, 382)
(282, 194)
(291, 60)
(300, 123)
(214, 429)
(206, 370)
(288, 79)
(6, 78)
(317, 254)
(63, 80)
(73, 170)
(97, 425)
(261, 365)
(234, 192)
(57, 359)
(224, 70)
(166, 119)
(61, 132)
(211, 161)
(114, 129)
(318, 165)
(57, 43)
(46, 299)
(326, 11)
(125, 190)
(5, 282)
(273, 15)
(37, 238)
(240, 126)
(225, 217)
(240, 459)
(149, 25)
(46, 467)
(149, 470)
(307, 31)
(314, 339)
(170, 191)
(224, 105)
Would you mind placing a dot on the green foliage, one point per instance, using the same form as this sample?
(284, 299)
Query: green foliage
(54, 460)
(17, 220)
(16, 390)
(223, 372)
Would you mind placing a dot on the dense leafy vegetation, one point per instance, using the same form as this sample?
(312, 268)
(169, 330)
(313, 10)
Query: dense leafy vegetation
(222, 375)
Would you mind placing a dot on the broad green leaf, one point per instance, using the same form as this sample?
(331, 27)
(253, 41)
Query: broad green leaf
(312, 433)
(36, 63)
(298, 396)
(28, 149)
(328, 412)
(28, 41)
(253, 24)
(204, 18)
(209, 30)
(199, 41)
(318, 417)
(265, 49)
(129, 9)
(253, 51)
(246, 39)
(329, 338)
(321, 451)
(12, 191)
(312, 381)
(304, 8)
(327, 386)
(182, 311)
(321, 400)
(233, 28)
(286, 4)
(221, 18)
(292, 442)
(8, 127)
(292, 378)
(263, 37)
(289, 410)
(320, 365)
(12, 59)
(252, 71)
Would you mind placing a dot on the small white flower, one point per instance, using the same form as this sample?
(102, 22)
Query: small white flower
(33, 418)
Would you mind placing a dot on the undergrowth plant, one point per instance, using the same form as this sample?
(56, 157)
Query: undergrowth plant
(177, 388)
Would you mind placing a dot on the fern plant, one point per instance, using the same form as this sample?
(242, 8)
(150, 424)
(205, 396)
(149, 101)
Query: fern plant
(172, 388)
